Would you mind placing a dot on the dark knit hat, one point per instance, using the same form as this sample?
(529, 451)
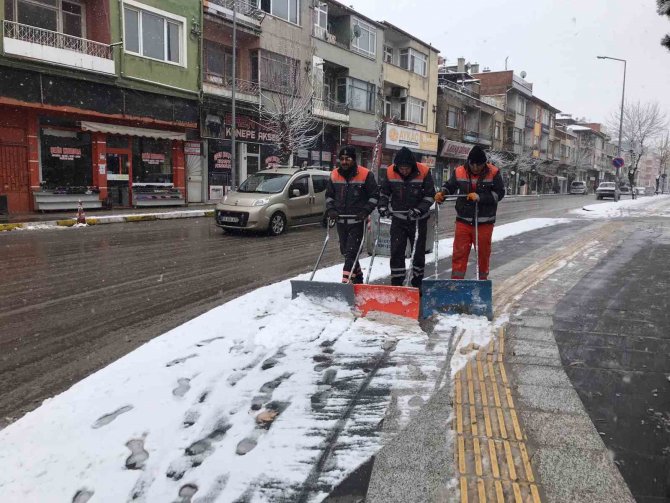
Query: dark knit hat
(404, 157)
(477, 155)
(348, 151)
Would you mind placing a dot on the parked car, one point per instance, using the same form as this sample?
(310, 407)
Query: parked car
(273, 199)
(625, 190)
(640, 191)
(608, 189)
(577, 187)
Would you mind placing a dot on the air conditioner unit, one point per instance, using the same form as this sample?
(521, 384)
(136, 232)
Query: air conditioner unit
(399, 92)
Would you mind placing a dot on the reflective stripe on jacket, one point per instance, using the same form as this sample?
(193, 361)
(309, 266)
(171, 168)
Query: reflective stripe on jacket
(488, 184)
(415, 191)
(353, 192)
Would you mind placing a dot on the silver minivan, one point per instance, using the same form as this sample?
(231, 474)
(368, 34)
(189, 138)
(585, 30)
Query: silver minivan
(578, 187)
(273, 199)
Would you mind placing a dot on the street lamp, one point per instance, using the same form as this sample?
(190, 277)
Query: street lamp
(623, 94)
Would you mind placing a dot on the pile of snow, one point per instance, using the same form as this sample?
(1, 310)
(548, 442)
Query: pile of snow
(240, 402)
(642, 206)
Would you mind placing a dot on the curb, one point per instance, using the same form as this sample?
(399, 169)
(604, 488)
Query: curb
(109, 219)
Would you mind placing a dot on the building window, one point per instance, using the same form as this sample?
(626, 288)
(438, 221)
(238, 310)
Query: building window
(366, 41)
(518, 136)
(414, 61)
(218, 62)
(288, 10)
(62, 16)
(520, 105)
(388, 54)
(279, 73)
(66, 159)
(452, 117)
(497, 131)
(153, 34)
(417, 110)
(320, 19)
(360, 95)
(152, 160)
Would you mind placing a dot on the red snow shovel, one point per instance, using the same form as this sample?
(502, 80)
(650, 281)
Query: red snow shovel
(398, 300)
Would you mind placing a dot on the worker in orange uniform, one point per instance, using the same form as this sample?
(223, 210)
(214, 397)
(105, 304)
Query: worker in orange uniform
(484, 186)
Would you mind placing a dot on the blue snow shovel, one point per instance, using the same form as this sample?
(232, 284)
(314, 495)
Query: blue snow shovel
(457, 296)
(321, 290)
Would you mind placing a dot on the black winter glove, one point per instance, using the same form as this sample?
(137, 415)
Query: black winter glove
(384, 211)
(414, 214)
(362, 215)
(332, 214)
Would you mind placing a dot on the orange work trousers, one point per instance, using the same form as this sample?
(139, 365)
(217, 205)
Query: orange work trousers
(463, 240)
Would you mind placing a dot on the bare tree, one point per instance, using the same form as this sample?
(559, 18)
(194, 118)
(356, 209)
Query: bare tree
(513, 163)
(642, 123)
(663, 151)
(285, 111)
(664, 10)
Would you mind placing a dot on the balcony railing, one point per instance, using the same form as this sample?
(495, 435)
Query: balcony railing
(328, 105)
(323, 34)
(459, 88)
(510, 115)
(35, 35)
(247, 8)
(241, 86)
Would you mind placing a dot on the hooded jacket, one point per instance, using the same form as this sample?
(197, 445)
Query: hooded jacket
(416, 190)
(488, 184)
(352, 192)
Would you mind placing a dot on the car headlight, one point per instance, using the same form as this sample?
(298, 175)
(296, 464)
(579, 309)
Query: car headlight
(261, 202)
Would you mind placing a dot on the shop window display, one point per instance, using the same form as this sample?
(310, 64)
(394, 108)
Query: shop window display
(66, 161)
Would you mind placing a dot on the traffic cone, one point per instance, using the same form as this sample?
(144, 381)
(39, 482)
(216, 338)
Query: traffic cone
(81, 218)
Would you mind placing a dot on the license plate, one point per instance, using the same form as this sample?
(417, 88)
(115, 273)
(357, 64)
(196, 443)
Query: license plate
(230, 219)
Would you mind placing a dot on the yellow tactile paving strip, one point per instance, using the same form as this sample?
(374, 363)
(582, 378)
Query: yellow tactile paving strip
(491, 456)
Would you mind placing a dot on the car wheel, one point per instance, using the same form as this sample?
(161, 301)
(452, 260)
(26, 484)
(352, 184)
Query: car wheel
(277, 224)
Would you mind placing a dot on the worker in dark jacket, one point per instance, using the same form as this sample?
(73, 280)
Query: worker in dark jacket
(409, 189)
(483, 184)
(351, 196)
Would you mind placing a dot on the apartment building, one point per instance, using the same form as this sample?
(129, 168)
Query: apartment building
(97, 99)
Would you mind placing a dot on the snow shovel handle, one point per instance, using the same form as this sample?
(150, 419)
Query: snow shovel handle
(410, 271)
(374, 248)
(323, 249)
(360, 249)
(436, 243)
(477, 240)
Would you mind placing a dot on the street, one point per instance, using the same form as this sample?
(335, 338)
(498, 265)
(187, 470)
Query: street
(74, 301)
(585, 350)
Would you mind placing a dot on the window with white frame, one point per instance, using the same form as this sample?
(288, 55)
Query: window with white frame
(452, 117)
(153, 34)
(388, 54)
(416, 110)
(62, 16)
(414, 61)
(320, 19)
(288, 10)
(366, 41)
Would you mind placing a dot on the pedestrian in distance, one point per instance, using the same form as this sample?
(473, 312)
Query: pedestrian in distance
(483, 184)
(352, 194)
(407, 195)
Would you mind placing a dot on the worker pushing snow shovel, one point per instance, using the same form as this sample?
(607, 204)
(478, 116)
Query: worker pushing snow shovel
(483, 186)
(406, 196)
(352, 194)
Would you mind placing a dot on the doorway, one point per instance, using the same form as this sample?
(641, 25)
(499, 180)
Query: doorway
(119, 174)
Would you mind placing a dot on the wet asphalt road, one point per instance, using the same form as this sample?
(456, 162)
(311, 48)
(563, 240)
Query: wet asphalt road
(72, 301)
(613, 332)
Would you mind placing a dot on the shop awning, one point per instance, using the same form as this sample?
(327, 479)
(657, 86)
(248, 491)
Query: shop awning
(100, 127)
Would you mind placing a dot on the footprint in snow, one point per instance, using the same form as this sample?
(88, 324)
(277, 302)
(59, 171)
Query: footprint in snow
(178, 361)
(82, 496)
(108, 418)
(138, 454)
(202, 448)
(186, 492)
(183, 386)
(190, 418)
(205, 342)
(264, 421)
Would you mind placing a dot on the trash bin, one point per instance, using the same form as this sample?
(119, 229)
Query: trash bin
(384, 243)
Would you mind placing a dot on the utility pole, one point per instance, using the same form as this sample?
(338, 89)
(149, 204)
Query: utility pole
(623, 94)
(233, 128)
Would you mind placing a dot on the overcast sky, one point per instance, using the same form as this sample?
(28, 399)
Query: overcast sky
(555, 41)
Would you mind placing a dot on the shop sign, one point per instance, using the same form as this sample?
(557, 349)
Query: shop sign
(303, 153)
(216, 192)
(248, 129)
(398, 137)
(192, 148)
(316, 155)
(428, 160)
(151, 158)
(272, 161)
(326, 156)
(223, 160)
(65, 153)
(455, 150)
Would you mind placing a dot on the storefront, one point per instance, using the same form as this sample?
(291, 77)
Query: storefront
(421, 143)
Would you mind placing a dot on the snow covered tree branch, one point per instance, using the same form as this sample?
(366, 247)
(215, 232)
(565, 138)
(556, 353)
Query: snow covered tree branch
(664, 10)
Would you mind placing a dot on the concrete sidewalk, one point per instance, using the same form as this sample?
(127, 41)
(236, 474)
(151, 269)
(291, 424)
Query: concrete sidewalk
(32, 221)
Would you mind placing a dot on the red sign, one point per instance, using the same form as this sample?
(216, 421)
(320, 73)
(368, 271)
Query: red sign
(151, 158)
(455, 150)
(192, 148)
(223, 160)
(65, 153)
(272, 161)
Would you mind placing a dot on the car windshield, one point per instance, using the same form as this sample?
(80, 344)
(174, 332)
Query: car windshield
(577, 184)
(607, 185)
(265, 183)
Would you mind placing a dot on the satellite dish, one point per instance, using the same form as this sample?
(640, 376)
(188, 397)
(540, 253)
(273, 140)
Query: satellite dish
(523, 75)
(357, 31)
